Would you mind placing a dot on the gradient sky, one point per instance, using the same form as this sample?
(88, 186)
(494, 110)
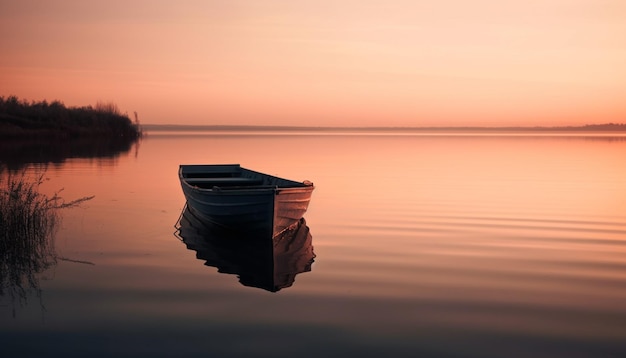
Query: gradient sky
(323, 62)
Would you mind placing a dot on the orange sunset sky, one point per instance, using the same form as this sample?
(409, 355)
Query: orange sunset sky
(323, 62)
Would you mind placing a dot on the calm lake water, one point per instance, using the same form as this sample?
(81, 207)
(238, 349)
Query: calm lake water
(426, 245)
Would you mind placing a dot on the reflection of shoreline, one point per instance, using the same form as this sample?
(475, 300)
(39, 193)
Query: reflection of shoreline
(256, 258)
(16, 153)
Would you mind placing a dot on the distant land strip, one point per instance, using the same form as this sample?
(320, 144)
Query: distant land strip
(608, 127)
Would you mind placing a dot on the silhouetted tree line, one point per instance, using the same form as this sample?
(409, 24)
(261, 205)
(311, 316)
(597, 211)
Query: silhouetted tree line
(19, 118)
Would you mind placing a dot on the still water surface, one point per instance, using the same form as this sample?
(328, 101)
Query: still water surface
(425, 245)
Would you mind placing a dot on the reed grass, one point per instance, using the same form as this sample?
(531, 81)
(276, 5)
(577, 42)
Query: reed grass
(28, 222)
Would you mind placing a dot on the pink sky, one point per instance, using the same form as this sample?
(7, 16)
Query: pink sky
(323, 62)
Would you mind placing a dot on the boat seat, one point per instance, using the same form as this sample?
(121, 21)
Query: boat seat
(224, 181)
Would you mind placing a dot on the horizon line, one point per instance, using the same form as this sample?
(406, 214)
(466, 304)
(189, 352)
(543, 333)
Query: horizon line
(223, 127)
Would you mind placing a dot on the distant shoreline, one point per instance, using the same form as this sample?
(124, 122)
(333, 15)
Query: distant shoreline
(610, 127)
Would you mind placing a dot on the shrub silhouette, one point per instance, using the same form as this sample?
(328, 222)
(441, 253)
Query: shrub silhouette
(20, 118)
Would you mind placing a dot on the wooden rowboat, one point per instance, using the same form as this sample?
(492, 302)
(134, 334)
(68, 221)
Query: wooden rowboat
(242, 199)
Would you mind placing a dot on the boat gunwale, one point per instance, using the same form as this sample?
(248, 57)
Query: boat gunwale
(243, 189)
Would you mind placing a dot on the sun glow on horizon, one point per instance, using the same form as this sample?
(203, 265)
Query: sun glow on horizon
(352, 63)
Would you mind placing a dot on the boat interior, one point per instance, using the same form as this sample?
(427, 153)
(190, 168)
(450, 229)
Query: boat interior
(230, 176)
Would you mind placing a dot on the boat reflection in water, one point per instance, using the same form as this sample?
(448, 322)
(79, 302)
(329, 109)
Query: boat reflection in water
(258, 258)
